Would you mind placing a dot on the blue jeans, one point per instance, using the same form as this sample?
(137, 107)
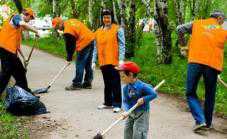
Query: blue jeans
(83, 62)
(195, 71)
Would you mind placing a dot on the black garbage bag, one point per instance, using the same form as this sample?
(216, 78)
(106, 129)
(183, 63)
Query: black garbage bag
(20, 102)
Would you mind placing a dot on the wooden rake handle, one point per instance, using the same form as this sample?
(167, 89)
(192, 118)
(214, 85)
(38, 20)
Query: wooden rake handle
(30, 54)
(129, 111)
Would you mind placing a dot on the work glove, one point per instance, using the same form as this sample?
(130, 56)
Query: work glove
(93, 65)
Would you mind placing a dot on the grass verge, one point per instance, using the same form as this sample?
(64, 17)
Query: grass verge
(11, 127)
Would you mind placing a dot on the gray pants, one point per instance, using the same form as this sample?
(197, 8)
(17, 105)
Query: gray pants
(137, 125)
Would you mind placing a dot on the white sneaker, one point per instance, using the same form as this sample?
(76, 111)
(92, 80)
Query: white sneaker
(199, 127)
(116, 110)
(100, 107)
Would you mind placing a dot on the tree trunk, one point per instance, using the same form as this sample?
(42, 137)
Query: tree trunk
(90, 15)
(122, 6)
(56, 8)
(147, 3)
(179, 8)
(161, 16)
(74, 11)
(115, 11)
(131, 30)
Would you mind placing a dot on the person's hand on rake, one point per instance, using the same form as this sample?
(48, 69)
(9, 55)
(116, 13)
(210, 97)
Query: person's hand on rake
(140, 101)
(26, 63)
(124, 115)
(68, 62)
(69, 59)
(93, 65)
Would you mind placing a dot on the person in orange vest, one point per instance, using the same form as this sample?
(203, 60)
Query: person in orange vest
(78, 38)
(10, 41)
(110, 47)
(205, 58)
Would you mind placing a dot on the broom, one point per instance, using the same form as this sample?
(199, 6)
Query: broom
(45, 90)
(100, 135)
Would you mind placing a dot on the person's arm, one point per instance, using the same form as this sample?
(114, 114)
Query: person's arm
(182, 30)
(28, 27)
(17, 21)
(94, 57)
(121, 44)
(70, 45)
(149, 93)
(125, 98)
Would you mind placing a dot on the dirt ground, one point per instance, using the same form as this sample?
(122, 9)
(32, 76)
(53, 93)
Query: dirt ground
(74, 114)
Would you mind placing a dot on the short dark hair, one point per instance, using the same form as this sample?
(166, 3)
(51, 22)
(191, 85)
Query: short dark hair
(107, 11)
(217, 13)
(127, 73)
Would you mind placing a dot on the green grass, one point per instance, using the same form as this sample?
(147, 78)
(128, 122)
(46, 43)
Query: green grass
(11, 126)
(174, 74)
(50, 45)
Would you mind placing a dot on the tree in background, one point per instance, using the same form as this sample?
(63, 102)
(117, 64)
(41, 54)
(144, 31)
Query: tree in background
(167, 13)
(161, 17)
(131, 36)
(147, 3)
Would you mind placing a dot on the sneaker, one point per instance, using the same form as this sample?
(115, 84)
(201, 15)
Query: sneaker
(116, 110)
(87, 86)
(199, 127)
(208, 128)
(73, 87)
(104, 107)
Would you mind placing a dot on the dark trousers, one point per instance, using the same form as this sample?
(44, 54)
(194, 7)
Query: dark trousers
(195, 71)
(83, 63)
(112, 82)
(11, 66)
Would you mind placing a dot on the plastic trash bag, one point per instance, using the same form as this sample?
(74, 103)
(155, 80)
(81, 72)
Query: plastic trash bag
(20, 102)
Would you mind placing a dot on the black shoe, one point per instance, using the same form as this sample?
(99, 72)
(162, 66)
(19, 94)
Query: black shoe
(87, 86)
(208, 128)
(73, 87)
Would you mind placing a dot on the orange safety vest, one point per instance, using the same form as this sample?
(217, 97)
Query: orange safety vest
(206, 44)
(107, 45)
(10, 37)
(81, 32)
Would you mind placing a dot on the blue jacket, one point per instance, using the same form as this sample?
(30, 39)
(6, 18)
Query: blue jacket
(135, 91)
